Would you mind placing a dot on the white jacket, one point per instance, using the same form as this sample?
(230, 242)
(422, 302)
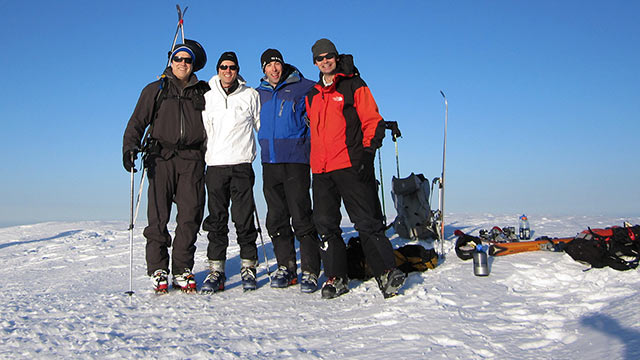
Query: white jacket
(230, 121)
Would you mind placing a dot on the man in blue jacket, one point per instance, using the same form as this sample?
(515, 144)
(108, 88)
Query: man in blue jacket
(284, 142)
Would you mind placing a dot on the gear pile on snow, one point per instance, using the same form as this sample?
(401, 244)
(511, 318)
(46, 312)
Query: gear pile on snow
(496, 234)
(615, 247)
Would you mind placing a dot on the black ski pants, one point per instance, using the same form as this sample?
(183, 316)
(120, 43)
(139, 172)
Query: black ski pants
(286, 190)
(362, 207)
(181, 181)
(230, 183)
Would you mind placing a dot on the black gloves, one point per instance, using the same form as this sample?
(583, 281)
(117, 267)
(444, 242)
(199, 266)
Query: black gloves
(365, 168)
(128, 160)
(393, 126)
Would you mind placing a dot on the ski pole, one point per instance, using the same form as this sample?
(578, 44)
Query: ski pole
(130, 292)
(397, 159)
(444, 157)
(144, 173)
(264, 250)
(384, 208)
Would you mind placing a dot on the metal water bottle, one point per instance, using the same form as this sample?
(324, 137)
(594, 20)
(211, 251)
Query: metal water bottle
(480, 261)
(525, 230)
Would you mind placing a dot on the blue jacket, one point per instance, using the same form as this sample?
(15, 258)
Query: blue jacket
(284, 135)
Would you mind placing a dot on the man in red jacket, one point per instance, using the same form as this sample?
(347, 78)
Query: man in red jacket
(346, 130)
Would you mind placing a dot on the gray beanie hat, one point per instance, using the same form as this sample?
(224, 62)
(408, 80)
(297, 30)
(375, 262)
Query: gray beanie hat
(323, 46)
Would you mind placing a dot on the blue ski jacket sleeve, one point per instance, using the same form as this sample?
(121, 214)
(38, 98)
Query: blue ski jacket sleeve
(284, 134)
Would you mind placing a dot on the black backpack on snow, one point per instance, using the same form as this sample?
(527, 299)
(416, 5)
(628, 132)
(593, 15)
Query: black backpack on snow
(617, 247)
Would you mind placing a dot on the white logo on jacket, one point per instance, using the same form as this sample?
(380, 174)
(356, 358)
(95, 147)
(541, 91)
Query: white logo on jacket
(338, 98)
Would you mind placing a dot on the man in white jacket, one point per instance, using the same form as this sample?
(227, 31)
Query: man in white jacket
(231, 115)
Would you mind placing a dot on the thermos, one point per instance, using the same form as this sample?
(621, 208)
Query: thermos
(480, 261)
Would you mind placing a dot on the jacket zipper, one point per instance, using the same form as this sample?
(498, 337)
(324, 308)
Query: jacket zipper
(182, 131)
(272, 146)
(324, 123)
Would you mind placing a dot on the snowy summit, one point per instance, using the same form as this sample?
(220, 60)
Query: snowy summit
(64, 297)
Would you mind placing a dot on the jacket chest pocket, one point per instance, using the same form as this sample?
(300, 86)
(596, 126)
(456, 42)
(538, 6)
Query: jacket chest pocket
(242, 112)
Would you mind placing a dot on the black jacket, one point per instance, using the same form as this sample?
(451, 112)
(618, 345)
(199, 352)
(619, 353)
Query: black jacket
(178, 126)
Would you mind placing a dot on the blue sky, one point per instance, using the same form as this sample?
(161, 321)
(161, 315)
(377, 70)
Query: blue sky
(544, 96)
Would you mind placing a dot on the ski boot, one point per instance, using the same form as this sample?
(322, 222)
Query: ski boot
(160, 281)
(390, 282)
(309, 282)
(283, 278)
(248, 274)
(214, 282)
(334, 287)
(185, 281)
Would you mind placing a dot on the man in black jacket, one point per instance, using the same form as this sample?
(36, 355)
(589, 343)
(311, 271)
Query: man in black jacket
(174, 157)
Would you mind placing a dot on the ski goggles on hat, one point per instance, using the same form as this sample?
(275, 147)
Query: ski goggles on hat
(322, 57)
(230, 67)
(180, 59)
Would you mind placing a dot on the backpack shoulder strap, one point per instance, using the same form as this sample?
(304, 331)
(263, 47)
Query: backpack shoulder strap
(159, 97)
(154, 113)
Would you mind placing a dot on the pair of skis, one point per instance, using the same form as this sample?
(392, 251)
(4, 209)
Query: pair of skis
(499, 247)
(508, 248)
(179, 28)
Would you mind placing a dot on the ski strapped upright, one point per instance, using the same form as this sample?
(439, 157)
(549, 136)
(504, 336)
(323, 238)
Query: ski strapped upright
(444, 161)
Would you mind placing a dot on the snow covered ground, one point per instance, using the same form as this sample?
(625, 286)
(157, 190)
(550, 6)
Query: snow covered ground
(63, 297)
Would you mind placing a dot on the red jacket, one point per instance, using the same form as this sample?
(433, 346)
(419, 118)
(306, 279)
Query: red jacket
(344, 120)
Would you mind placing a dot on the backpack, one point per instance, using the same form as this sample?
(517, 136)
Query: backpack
(408, 258)
(616, 247)
(413, 257)
(411, 200)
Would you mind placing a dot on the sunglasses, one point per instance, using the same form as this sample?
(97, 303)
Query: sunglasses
(230, 67)
(321, 57)
(179, 59)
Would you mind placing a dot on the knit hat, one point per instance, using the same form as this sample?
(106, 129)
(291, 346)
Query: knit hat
(270, 55)
(323, 46)
(183, 48)
(228, 55)
(194, 49)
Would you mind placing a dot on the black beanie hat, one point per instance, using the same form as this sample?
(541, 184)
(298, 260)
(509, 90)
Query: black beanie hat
(228, 55)
(270, 55)
(323, 46)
